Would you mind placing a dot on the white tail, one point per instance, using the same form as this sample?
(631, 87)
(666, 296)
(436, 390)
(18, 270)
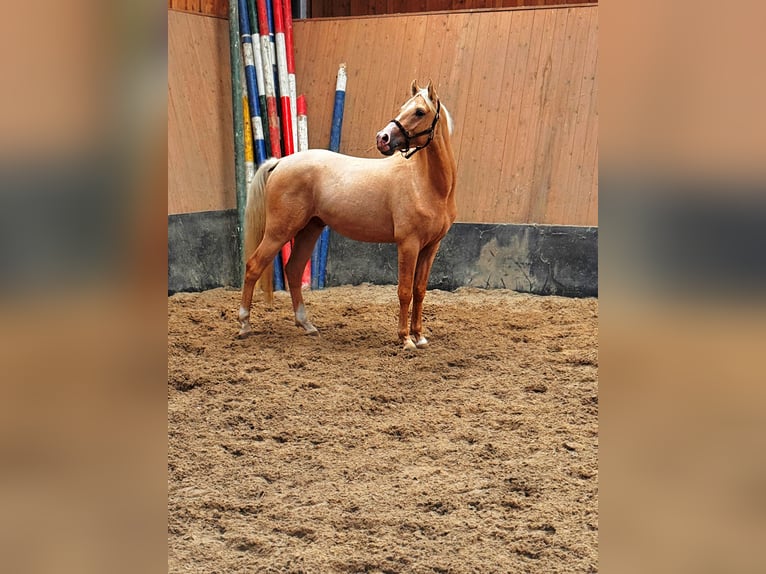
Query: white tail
(255, 224)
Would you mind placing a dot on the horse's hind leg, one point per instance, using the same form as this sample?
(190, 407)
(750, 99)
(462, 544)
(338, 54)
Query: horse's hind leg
(422, 272)
(301, 252)
(254, 268)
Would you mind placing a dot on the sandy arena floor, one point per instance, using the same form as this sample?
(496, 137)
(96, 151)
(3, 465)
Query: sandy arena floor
(339, 453)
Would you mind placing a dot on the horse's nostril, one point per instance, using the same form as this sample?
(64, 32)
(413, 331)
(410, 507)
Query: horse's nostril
(384, 138)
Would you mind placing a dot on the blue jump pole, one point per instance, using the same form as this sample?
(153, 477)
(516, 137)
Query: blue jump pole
(252, 84)
(335, 131)
(258, 59)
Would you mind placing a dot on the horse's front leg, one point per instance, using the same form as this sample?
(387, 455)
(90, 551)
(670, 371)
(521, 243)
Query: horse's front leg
(422, 272)
(408, 256)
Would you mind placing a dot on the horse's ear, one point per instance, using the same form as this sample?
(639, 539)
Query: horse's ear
(431, 91)
(414, 87)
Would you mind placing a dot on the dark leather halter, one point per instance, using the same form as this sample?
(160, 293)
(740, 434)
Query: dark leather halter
(408, 152)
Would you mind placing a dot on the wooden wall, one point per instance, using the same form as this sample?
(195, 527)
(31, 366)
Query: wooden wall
(218, 8)
(520, 84)
(200, 140)
(339, 8)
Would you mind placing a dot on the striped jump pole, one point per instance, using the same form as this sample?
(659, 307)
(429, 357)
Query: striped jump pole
(287, 8)
(252, 86)
(282, 77)
(311, 276)
(289, 131)
(335, 131)
(259, 78)
(248, 133)
(268, 78)
(263, 10)
(283, 97)
(337, 112)
(303, 124)
(272, 43)
(303, 144)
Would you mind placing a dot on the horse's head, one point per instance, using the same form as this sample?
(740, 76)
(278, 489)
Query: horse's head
(413, 127)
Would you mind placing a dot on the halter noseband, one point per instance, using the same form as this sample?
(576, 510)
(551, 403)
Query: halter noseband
(408, 152)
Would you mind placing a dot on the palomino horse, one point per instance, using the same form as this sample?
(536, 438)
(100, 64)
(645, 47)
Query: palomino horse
(406, 198)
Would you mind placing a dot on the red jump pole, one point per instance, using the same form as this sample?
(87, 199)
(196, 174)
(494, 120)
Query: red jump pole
(303, 144)
(282, 13)
(288, 14)
(282, 77)
(268, 78)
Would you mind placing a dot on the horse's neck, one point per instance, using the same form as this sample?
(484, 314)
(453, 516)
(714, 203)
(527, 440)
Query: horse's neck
(441, 167)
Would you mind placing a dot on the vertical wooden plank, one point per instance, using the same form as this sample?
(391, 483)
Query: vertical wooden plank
(580, 178)
(448, 28)
(410, 61)
(323, 8)
(449, 31)
(434, 5)
(433, 47)
(565, 113)
(537, 158)
(375, 60)
(592, 217)
(508, 101)
(355, 45)
(305, 47)
(458, 79)
(570, 83)
(332, 54)
(516, 190)
(581, 115)
(552, 168)
(467, 156)
(200, 144)
(217, 8)
(484, 99)
(316, 69)
(359, 96)
(404, 6)
(369, 7)
(532, 112)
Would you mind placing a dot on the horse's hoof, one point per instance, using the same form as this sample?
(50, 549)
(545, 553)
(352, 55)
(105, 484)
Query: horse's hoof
(245, 332)
(308, 327)
(408, 345)
(421, 343)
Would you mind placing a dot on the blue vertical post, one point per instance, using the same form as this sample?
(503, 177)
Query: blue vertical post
(335, 131)
(235, 56)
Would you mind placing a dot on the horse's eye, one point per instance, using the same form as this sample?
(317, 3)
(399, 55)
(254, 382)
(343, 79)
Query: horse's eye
(420, 113)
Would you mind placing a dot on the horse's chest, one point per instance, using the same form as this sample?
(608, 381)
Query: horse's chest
(429, 224)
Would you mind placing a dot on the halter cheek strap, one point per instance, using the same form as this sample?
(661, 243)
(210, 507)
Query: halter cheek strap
(409, 152)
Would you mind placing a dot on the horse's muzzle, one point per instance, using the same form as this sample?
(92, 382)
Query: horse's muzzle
(387, 141)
